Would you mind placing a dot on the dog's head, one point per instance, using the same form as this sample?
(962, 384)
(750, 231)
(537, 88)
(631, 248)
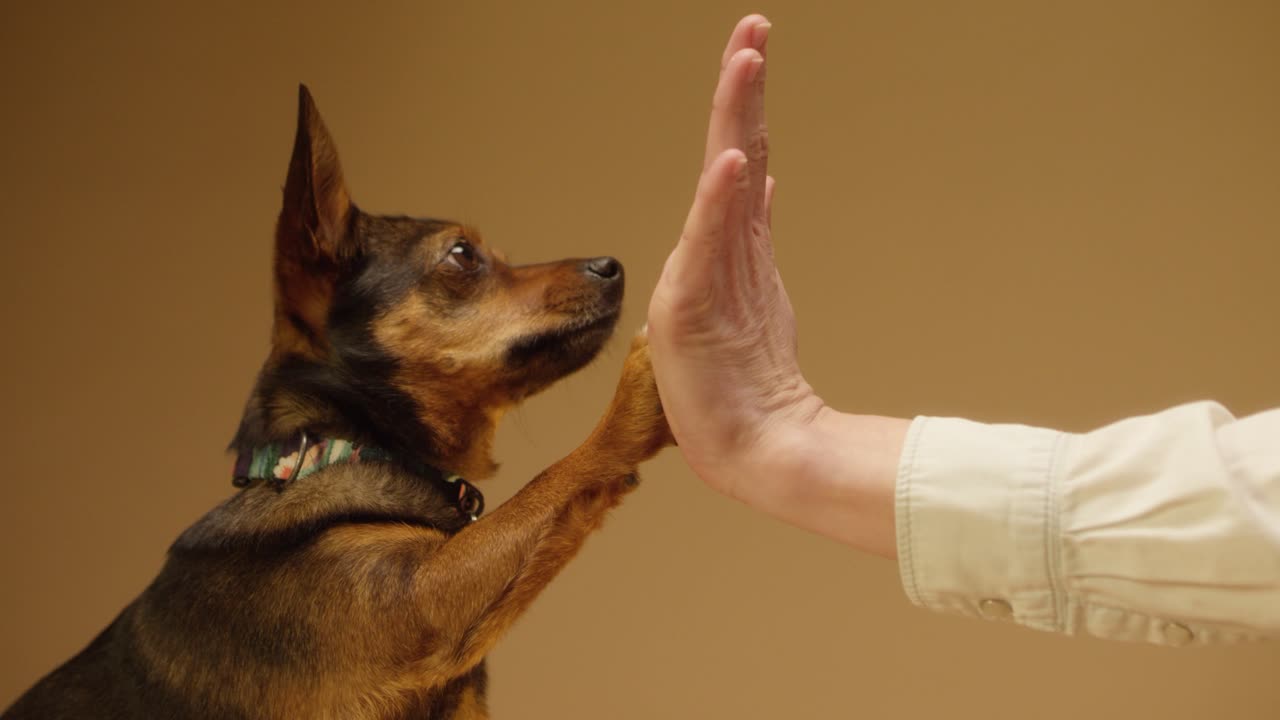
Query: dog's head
(411, 333)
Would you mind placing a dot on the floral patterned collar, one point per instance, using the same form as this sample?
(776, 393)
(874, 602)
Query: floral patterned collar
(278, 464)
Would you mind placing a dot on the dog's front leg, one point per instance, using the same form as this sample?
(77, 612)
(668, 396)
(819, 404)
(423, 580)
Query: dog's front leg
(483, 578)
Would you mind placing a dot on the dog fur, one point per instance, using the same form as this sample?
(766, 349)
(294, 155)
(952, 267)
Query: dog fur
(360, 591)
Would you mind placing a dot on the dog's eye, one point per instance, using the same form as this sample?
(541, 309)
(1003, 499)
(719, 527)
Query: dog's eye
(463, 255)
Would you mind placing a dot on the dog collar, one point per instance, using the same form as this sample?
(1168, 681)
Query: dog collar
(280, 463)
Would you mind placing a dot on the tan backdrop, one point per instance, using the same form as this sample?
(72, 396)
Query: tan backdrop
(1053, 213)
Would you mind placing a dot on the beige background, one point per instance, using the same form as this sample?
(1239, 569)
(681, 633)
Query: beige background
(1054, 213)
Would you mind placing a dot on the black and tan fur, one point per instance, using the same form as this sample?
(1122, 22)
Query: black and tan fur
(360, 591)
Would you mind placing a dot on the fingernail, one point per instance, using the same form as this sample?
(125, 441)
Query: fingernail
(759, 34)
(757, 62)
(740, 166)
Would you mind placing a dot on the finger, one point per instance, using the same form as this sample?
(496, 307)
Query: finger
(738, 260)
(760, 258)
(751, 31)
(731, 104)
(745, 34)
(769, 185)
(757, 134)
(707, 234)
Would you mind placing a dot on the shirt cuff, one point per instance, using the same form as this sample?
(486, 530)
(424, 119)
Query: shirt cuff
(976, 510)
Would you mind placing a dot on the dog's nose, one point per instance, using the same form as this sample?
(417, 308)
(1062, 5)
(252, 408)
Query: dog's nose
(605, 268)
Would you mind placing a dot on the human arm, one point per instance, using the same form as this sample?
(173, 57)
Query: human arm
(1163, 528)
(986, 519)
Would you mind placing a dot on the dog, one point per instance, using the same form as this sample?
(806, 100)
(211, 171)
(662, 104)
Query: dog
(352, 575)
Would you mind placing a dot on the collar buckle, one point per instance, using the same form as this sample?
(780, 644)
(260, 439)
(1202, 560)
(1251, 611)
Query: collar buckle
(470, 499)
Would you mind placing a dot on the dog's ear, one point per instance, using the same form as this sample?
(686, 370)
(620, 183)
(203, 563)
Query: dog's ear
(314, 235)
(315, 219)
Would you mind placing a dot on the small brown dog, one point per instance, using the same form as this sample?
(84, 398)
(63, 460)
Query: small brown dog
(347, 578)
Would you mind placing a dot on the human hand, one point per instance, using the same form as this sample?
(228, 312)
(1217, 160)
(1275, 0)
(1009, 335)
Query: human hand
(721, 327)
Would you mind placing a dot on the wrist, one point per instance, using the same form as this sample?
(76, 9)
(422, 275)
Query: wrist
(835, 475)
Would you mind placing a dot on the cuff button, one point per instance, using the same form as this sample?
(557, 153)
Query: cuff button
(1177, 634)
(995, 609)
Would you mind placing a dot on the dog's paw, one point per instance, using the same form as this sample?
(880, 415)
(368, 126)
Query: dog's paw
(635, 427)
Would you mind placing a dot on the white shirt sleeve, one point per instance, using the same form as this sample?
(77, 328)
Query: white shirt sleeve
(1163, 528)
